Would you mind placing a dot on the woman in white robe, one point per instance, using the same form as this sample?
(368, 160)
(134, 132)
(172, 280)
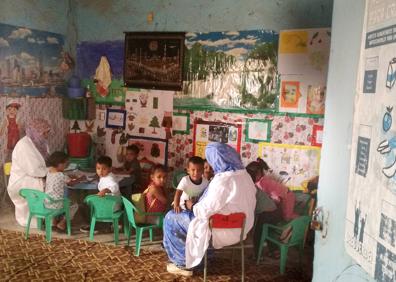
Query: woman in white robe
(28, 167)
(187, 234)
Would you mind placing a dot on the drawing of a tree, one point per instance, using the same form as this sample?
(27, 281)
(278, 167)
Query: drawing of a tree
(154, 123)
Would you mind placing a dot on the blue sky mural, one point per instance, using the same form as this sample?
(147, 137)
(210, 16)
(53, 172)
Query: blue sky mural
(236, 43)
(29, 60)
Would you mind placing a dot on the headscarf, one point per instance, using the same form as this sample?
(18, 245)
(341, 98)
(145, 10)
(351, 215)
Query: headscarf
(35, 131)
(223, 157)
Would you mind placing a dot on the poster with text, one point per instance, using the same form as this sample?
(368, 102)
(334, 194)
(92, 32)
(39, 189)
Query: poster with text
(371, 212)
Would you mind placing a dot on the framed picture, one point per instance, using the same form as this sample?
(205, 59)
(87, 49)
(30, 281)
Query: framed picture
(152, 149)
(154, 60)
(181, 123)
(115, 118)
(258, 130)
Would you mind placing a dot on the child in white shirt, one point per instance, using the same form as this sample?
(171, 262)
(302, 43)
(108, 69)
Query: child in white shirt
(107, 184)
(192, 185)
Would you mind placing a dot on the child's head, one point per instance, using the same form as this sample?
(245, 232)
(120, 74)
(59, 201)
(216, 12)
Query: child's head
(255, 170)
(12, 108)
(103, 166)
(208, 171)
(132, 152)
(158, 175)
(195, 168)
(58, 160)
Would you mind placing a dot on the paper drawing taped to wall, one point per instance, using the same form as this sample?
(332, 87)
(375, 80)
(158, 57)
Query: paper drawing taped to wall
(391, 74)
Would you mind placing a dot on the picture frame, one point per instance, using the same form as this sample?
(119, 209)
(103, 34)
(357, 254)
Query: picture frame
(152, 149)
(261, 125)
(154, 60)
(181, 123)
(115, 118)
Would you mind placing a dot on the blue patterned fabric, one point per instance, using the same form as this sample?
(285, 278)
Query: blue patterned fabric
(223, 157)
(175, 233)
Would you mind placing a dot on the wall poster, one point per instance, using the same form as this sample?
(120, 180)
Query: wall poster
(370, 230)
(293, 163)
(206, 132)
(303, 63)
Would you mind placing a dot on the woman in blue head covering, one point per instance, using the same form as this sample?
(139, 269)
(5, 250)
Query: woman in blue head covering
(187, 234)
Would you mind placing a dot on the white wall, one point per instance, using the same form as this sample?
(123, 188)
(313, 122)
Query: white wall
(331, 262)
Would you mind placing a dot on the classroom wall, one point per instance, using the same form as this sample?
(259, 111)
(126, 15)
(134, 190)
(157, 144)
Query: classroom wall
(107, 20)
(46, 15)
(331, 262)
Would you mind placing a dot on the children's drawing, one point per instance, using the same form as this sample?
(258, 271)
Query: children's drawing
(294, 163)
(181, 123)
(316, 99)
(149, 113)
(206, 132)
(293, 41)
(153, 149)
(290, 94)
(154, 124)
(115, 118)
(258, 130)
(89, 124)
(29, 61)
(12, 126)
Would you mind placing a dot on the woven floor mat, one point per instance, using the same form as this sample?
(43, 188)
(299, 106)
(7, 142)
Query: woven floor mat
(80, 260)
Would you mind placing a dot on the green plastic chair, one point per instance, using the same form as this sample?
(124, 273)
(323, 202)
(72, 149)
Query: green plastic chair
(36, 200)
(130, 209)
(271, 233)
(103, 210)
(177, 176)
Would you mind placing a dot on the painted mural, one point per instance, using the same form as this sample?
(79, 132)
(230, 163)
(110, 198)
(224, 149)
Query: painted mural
(230, 69)
(371, 212)
(30, 61)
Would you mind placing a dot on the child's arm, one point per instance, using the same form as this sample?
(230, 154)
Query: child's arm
(176, 201)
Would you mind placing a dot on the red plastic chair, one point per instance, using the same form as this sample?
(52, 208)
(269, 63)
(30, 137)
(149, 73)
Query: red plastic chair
(231, 221)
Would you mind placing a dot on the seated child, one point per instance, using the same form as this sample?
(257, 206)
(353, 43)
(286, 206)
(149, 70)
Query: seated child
(55, 186)
(267, 211)
(208, 171)
(278, 192)
(154, 195)
(107, 184)
(192, 185)
(132, 167)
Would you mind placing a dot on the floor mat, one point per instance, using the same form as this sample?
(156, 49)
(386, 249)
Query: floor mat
(80, 260)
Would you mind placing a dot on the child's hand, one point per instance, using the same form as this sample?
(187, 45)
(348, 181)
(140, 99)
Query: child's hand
(177, 209)
(102, 193)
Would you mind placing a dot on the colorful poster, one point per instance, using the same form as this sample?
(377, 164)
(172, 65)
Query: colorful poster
(30, 61)
(206, 132)
(230, 69)
(370, 229)
(149, 113)
(293, 163)
(303, 60)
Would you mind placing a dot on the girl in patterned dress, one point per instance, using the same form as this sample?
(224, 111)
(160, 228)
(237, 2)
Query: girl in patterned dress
(155, 198)
(55, 186)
